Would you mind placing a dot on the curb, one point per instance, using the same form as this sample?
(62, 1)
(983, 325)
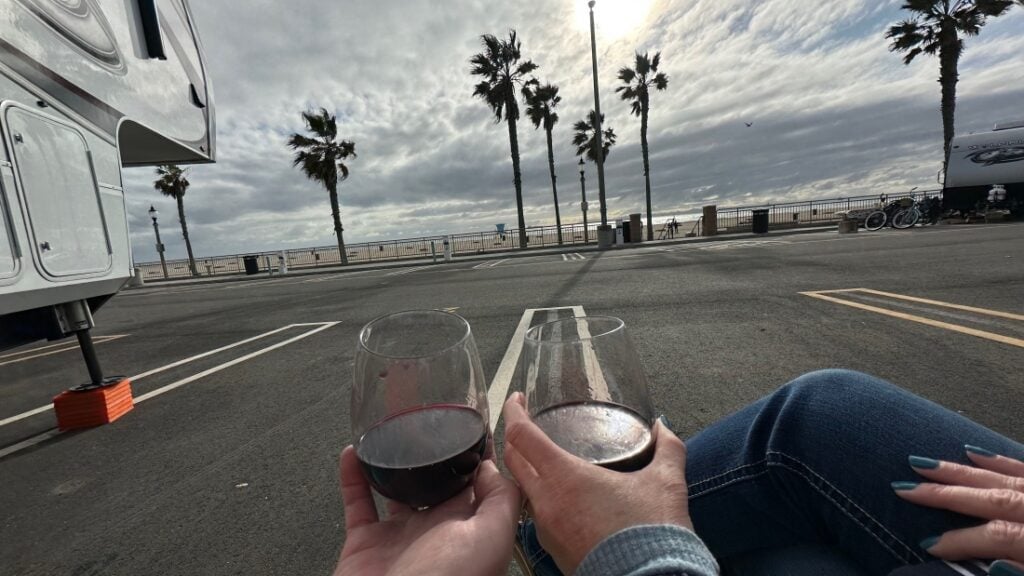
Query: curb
(528, 253)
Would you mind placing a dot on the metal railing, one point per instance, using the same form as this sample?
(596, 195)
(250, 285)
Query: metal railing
(369, 252)
(809, 213)
(735, 219)
(538, 237)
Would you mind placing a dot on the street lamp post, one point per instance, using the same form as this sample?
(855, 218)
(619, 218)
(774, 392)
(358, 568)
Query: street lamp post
(583, 200)
(604, 239)
(159, 245)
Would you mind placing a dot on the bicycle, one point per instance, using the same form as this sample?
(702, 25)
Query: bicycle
(900, 214)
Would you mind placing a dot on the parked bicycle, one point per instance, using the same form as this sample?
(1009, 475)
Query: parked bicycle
(899, 214)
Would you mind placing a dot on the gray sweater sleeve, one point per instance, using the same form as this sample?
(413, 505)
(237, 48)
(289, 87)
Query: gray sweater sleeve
(650, 551)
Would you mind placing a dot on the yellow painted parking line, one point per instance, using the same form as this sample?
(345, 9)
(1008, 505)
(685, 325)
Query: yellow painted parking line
(32, 353)
(984, 311)
(912, 318)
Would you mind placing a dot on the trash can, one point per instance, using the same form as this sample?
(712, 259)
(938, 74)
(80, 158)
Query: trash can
(252, 265)
(759, 221)
(636, 227)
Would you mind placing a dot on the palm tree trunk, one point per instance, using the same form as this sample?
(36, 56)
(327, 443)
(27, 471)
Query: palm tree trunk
(647, 168)
(184, 234)
(554, 186)
(338, 230)
(513, 139)
(949, 75)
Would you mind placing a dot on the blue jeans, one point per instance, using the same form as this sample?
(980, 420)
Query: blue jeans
(799, 482)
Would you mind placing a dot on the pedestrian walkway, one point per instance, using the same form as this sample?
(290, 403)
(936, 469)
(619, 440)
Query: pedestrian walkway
(568, 252)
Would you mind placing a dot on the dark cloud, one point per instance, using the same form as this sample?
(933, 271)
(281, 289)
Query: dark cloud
(834, 113)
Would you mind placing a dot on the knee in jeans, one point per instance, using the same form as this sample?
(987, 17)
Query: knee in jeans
(829, 396)
(833, 383)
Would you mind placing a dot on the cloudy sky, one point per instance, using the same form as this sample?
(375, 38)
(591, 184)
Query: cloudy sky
(834, 113)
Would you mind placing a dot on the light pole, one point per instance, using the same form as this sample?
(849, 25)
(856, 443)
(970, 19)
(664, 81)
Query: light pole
(604, 238)
(159, 245)
(583, 198)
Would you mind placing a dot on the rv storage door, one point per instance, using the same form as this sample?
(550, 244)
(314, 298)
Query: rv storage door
(58, 187)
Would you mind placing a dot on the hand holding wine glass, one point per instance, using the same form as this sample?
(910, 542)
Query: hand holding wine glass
(474, 528)
(419, 406)
(585, 388)
(576, 504)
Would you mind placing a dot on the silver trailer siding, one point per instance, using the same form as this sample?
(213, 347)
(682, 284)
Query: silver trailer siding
(86, 87)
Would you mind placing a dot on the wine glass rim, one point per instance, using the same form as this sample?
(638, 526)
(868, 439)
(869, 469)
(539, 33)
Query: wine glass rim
(532, 335)
(364, 333)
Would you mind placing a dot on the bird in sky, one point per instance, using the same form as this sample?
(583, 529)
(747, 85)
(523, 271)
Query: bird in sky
(749, 124)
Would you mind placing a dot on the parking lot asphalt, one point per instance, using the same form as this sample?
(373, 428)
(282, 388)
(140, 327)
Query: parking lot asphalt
(229, 464)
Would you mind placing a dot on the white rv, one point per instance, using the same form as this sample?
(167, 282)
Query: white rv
(980, 162)
(86, 87)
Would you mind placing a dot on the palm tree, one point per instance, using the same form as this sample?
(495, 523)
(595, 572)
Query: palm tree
(502, 72)
(321, 158)
(541, 102)
(172, 181)
(585, 139)
(636, 88)
(938, 27)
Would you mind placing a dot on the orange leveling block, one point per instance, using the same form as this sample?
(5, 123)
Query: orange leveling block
(93, 404)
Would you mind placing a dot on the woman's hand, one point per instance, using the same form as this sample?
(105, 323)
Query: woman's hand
(576, 504)
(993, 491)
(474, 529)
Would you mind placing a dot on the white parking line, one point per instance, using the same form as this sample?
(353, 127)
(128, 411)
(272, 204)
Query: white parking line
(592, 366)
(319, 327)
(138, 377)
(731, 244)
(498, 390)
(339, 276)
(31, 354)
(30, 442)
(236, 361)
(489, 264)
(407, 271)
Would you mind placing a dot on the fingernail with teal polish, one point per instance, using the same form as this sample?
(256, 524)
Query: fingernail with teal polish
(1002, 568)
(923, 463)
(980, 451)
(664, 420)
(904, 486)
(928, 543)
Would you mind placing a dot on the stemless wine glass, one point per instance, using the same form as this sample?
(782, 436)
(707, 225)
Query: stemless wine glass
(419, 406)
(586, 389)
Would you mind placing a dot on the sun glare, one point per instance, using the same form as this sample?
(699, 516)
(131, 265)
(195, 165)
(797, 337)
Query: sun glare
(613, 18)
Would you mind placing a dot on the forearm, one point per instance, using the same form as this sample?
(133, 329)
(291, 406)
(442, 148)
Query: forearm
(650, 551)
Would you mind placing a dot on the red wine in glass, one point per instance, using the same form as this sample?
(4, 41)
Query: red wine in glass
(605, 434)
(586, 389)
(424, 455)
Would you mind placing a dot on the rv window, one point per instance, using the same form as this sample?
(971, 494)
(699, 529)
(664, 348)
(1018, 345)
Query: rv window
(151, 29)
(58, 186)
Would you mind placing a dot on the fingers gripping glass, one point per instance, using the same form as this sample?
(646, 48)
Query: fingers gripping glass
(419, 406)
(586, 389)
